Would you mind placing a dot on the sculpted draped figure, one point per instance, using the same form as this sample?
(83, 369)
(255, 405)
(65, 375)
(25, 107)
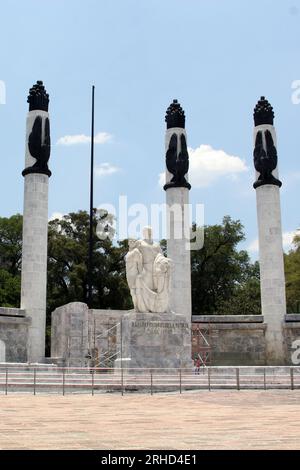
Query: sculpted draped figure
(148, 274)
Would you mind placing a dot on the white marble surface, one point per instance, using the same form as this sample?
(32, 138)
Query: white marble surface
(148, 274)
(272, 276)
(177, 240)
(178, 250)
(2, 351)
(154, 340)
(34, 261)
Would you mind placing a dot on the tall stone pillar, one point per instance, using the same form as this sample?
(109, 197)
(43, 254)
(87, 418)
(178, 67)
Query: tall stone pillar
(177, 200)
(35, 219)
(267, 186)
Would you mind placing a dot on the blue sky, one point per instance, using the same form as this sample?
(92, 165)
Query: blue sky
(216, 57)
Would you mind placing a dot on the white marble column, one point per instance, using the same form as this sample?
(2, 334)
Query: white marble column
(178, 242)
(272, 278)
(35, 235)
(34, 261)
(181, 290)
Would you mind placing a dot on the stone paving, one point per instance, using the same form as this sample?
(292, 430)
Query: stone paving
(198, 420)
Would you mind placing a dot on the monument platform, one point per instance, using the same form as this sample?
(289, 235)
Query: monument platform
(154, 340)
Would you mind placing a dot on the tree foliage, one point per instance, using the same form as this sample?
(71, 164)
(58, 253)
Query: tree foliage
(10, 260)
(223, 278)
(292, 275)
(10, 287)
(11, 243)
(224, 281)
(68, 260)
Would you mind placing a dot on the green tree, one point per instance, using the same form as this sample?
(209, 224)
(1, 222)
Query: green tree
(10, 260)
(67, 265)
(222, 276)
(292, 277)
(245, 299)
(11, 243)
(10, 287)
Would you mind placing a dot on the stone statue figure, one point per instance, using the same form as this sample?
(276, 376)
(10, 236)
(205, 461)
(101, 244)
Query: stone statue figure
(265, 161)
(148, 274)
(134, 267)
(40, 145)
(177, 163)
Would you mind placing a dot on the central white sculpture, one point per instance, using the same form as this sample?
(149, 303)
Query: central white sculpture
(148, 274)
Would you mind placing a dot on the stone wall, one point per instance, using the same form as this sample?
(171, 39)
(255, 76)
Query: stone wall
(241, 340)
(83, 337)
(13, 335)
(291, 333)
(233, 339)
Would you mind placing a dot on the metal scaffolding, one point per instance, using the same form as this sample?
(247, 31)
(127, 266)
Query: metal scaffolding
(201, 347)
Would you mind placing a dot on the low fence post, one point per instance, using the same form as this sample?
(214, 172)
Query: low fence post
(209, 379)
(34, 381)
(265, 381)
(237, 378)
(93, 372)
(121, 356)
(151, 382)
(63, 382)
(122, 381)
(180, 381)
(6, 381)
(292, 378)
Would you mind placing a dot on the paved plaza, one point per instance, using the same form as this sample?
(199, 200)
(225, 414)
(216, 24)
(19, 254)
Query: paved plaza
(199, 420)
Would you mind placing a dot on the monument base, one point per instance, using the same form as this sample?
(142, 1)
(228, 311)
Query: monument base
(154, 340)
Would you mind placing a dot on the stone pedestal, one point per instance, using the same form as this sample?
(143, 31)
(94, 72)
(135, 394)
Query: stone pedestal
(14, 327)
(152, 340)
(272, 279)
(69, 334)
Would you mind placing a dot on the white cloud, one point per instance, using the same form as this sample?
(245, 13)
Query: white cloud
(253, 247)
(100, 138)
(162, 179)
(105, 169)
(56, 215)
(287, 241)
(287, 238)
(208, 164)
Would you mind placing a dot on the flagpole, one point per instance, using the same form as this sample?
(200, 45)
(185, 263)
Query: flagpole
(90, 257)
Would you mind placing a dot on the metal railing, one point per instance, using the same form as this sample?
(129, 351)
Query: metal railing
(39, 379)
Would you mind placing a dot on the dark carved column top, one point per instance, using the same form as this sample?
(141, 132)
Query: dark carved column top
(38, 98)
(175, 116)
(265, 152)
(263, 112)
